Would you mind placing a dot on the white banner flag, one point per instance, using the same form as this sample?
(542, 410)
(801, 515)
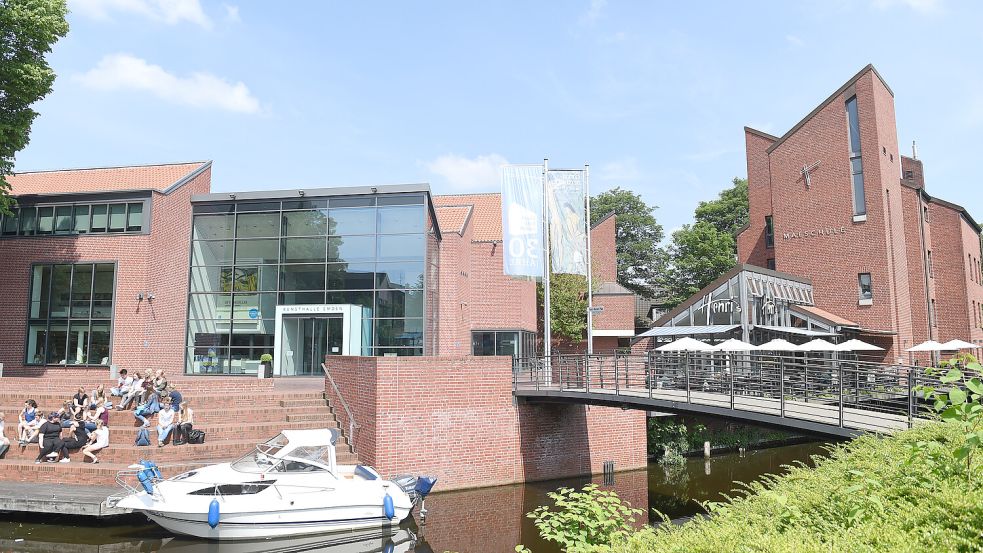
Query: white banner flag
(568, 221)
(522, 219)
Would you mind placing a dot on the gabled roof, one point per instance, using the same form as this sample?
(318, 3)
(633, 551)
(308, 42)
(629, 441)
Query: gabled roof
(612, 289)
(955, 207)
(824, 315)
(453, 218)
(486, 214)
(161, 178)
(833, 96)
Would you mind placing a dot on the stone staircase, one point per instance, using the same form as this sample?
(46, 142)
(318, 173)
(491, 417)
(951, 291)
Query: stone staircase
(234, 413)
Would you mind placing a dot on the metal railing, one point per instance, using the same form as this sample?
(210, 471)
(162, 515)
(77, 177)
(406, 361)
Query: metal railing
(352, 425)
(816, 388)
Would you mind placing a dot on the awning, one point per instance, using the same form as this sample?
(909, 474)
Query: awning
(686, 330)
(797, 331)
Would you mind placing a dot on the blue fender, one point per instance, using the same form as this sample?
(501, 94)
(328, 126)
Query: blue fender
(387, 506)
(390, 547)
(213, 513)
(145, 481)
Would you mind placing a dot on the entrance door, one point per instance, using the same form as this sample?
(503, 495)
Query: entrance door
(306, 340)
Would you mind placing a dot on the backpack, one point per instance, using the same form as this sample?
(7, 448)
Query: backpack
(196, 437)
(143, 437)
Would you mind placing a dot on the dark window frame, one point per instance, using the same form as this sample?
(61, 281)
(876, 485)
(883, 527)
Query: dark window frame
(867, 294)
(68, 320)
(73, 226)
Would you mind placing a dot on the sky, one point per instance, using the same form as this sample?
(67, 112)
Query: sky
(653, 95)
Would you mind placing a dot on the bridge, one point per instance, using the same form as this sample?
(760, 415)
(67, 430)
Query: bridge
(796, 391)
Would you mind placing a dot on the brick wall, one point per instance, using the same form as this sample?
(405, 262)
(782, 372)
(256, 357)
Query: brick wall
(751, 242)
(604, 255)
(618, 314)
(456, 418)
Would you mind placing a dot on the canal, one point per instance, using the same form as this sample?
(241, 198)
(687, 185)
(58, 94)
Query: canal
(489, 520)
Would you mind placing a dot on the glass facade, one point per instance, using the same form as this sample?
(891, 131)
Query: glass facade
(71, 314)
(248, 257)
(75, 218)
(856, 163)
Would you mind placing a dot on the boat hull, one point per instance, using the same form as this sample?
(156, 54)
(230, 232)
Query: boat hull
(249, 526)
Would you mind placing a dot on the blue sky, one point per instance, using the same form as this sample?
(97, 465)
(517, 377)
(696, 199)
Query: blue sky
(654, 95)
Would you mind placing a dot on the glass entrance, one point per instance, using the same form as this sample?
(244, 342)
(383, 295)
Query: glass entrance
(306, 340)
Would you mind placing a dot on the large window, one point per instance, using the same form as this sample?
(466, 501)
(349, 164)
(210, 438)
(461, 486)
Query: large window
(769, 232)
(517, 343)
(64, 219)
(249, 257)
(856, 164)
(71, 314)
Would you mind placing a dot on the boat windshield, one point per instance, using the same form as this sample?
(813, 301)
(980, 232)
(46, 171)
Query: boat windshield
(263, 458)
(318, 454)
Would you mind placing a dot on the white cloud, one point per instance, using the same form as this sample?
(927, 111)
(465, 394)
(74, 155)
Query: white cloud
(167, 11)
(616, 172)
(481, 173)
(200, 90)
(232, 13)
(593, 12)
(794, 40)
(921, 6)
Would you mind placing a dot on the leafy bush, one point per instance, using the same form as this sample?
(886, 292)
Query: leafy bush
(583, 520)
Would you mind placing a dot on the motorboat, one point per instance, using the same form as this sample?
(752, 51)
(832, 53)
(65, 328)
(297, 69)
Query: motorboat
(288, 486)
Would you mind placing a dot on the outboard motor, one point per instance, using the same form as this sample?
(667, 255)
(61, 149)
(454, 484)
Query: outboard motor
(422, 488)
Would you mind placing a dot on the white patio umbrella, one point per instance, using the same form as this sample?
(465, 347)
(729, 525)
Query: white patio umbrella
(958, 344)
(819, 345)
(778, 345)
(734, 345)
(858, 345)
(928, 345)
(686, 344)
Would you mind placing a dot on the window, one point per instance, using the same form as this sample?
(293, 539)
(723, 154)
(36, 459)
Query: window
(769, 232)
(931, 269)
(925, 214)
(69, 219)
(866, 287)
(517, 343)
(71, 314)
(771, 263)
(856, 164)
(932, 315)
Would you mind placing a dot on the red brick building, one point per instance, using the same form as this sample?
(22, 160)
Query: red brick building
(116, 237)
(833, 200)
(96, 267)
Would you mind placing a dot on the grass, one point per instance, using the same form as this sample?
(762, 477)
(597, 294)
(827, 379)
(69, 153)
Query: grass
(901, 493)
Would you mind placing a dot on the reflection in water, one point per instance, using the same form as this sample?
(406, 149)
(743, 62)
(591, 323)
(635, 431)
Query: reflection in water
(488, 520)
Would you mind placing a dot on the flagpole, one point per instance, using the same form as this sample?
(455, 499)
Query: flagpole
(590, 269)
(547, 268)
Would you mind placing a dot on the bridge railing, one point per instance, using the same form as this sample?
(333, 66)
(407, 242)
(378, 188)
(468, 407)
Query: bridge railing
(825, 389)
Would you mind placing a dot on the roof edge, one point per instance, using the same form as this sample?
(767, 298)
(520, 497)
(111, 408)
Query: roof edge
(762, 134)
(602, 219)
(945, 203)
(187, 178)
(134, 166)
(826, 102)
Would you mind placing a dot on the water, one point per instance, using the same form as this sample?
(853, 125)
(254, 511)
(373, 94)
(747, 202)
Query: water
(489, 520)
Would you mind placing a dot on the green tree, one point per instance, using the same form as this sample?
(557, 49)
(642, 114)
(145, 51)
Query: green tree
(568, 305)
(699, 254)
(729, 212)
(638, 234)
(28, 29)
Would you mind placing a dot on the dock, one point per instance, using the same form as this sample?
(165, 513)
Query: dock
(65, 499)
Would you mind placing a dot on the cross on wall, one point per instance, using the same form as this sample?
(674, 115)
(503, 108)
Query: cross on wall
(807, 170)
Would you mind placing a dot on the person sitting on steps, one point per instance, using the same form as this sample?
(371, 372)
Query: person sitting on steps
(133, 395)
(165, 423)
(50, 438)
(4, 442)
(98, 440)
(185, 423)
(65, 414)
(79, 439)
(80, 402)
(25, 421)
(123, 384)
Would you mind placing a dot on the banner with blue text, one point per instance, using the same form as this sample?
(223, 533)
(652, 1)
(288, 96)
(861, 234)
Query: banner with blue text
(568, 221)
(522, 220)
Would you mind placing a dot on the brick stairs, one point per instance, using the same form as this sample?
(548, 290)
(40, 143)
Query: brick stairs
(234, 413)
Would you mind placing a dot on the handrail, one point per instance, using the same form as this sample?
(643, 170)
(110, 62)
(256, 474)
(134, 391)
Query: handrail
(352, 425)
(838, 392)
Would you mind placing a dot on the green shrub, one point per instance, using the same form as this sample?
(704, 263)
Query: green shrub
(584, 520)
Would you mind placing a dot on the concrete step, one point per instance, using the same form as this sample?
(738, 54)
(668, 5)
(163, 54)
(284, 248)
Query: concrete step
(76, 472)
(215, 432)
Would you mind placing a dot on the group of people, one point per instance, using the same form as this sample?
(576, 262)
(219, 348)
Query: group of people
(150, 394)
(86, 420)
(82, 422)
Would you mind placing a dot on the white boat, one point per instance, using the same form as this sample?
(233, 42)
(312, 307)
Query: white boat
(290, 485)
(395, 540)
